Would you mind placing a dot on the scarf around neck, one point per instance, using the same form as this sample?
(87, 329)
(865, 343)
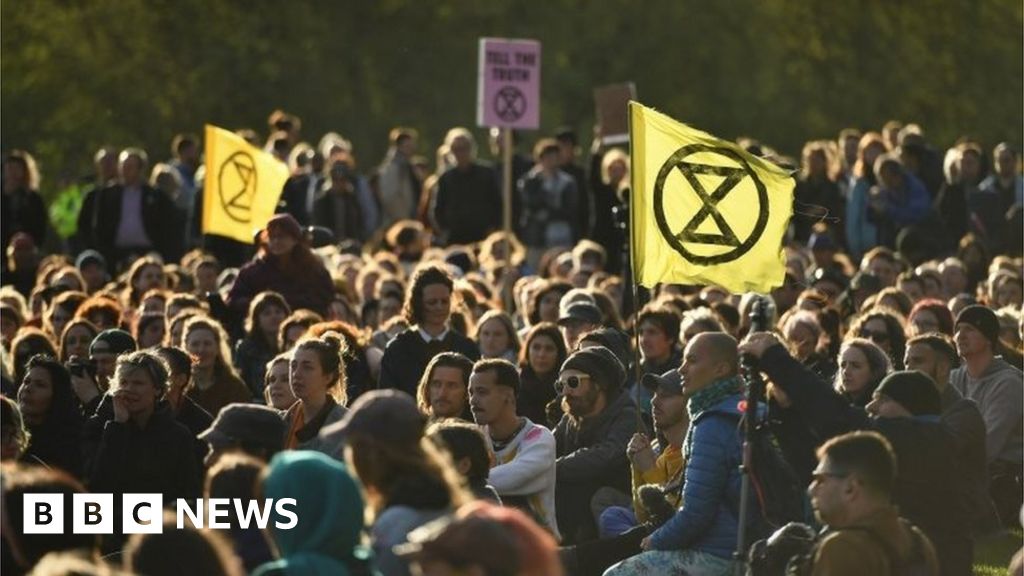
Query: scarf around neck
(704, 400)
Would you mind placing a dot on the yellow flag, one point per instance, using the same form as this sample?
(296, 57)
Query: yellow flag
(703, 210)
(243, 184)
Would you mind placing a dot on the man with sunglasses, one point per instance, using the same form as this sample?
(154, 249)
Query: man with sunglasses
(591, 438)
(851, 494)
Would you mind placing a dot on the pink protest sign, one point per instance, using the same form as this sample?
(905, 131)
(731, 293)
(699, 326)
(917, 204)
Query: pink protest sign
(508, 93)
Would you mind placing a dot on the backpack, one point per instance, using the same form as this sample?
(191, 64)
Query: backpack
(774, 486)
(916, 565)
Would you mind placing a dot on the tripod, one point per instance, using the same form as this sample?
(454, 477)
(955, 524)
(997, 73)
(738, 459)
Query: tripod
(755, 396)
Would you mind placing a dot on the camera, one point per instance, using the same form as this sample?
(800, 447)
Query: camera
(82, 367)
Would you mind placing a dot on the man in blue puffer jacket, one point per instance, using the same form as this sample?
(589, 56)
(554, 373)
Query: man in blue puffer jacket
(701, 537)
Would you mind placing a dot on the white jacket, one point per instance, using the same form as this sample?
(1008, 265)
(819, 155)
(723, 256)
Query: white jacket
(526, 467)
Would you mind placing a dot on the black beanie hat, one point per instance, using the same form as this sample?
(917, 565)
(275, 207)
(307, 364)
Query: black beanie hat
(613, 339)
(600, 364)
(984, 320)
(913, 390)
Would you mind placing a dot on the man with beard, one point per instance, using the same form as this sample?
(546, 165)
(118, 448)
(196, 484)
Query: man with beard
(591, 438)
(442, 390)
(654, 462)
(524, 472)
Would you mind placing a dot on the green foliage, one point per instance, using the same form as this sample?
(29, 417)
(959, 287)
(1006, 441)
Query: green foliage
(77, 75)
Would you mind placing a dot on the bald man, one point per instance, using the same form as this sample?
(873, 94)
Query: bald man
(700, 537)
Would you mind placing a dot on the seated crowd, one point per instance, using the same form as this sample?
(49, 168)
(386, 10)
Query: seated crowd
(440, 397)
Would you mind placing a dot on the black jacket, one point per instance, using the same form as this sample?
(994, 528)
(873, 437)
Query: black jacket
(326, 211)
(159, 216)
(930, 484)
(407, 356)
(534, 394)
(468, 204)
(159, 458)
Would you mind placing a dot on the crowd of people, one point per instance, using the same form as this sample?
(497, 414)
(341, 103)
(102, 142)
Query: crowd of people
(442, 397)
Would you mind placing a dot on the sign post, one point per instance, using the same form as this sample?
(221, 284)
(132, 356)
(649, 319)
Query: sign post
(508, 97)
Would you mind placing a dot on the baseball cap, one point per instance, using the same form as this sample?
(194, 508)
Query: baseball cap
(669, 383)
(390, 416)
(582, 312)
(246, 423)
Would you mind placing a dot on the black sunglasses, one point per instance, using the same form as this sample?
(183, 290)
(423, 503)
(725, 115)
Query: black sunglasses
(570, 382)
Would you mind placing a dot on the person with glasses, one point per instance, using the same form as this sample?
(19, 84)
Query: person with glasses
(885, 328)
(851, 494)
(591, 438)
(905, 409)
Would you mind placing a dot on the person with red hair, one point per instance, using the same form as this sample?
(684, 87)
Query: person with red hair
(286, 265)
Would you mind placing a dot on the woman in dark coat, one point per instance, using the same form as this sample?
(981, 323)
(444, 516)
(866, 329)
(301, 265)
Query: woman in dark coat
(266, 313)
(51, 414)
(540, 358)
(285, 265)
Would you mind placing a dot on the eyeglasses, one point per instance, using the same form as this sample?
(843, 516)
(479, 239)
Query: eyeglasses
(875, 336)
(572, 382)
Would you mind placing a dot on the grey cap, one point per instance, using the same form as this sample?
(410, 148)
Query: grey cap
(390, 416)
(246, 423)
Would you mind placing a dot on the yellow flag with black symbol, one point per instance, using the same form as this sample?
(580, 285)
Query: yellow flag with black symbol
(242, 186)
(703, 210)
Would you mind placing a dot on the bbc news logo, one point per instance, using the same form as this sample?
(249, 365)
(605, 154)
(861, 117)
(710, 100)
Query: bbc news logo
(143, 513)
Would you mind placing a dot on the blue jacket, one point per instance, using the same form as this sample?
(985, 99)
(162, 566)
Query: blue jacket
(708, 520)
(861, 232)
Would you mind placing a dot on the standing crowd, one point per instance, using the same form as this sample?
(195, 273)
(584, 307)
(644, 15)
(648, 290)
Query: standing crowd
(440, 397)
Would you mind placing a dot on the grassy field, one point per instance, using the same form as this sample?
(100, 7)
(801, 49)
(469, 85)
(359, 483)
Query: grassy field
(992, 555)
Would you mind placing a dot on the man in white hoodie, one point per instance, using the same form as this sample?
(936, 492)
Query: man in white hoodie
(524, 474)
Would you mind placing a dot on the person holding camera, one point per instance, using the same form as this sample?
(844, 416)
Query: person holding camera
(90, 377)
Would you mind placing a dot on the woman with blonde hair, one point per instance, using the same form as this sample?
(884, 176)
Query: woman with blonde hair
(216, 384)
(497, 337)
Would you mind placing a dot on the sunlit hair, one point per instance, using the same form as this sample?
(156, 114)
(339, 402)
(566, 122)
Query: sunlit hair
(133, 295)
(304, 318)
(259, 304)
(149, 362)
(330, 351)
(551, 331)
(442, 360)
(102, 306)
(506, 322)
(493, 244)
(28, 342)
(426, 276)
(878, 362)
(180, 319)
(74, 324)
(222, 366)
(861, 169)
(385, 468)
(28, 164)
(612, 156)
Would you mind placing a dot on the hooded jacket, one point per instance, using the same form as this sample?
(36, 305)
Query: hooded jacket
(999, 394)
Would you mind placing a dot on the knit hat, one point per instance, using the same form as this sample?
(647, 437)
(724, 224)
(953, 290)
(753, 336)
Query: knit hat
(113, 341)
(613, 339)
(287, 224)
(246, 424)
(600, 364)
(983, 319)
(913, 390)
(390, 416)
